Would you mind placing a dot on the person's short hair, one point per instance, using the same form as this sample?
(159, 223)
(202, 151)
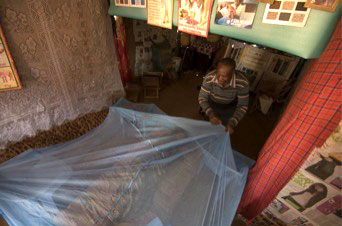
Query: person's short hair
(227, 62)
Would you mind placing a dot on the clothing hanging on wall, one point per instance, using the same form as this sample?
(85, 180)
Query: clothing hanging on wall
(120, 42)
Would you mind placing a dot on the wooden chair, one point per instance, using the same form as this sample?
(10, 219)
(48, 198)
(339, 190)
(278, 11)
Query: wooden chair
(151, 82)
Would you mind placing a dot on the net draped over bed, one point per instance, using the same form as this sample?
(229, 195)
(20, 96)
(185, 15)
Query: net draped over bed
(140, 167)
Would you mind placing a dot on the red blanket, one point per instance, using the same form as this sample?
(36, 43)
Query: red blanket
(312, 114)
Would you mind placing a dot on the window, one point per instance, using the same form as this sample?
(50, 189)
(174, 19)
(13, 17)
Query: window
(281, 67)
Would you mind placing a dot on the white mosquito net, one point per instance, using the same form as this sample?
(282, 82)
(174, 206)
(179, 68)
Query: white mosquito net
(139, 168)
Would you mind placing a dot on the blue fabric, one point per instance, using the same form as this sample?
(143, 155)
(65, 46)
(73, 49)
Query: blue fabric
(138, 166)
(155, 222)
(223, 20)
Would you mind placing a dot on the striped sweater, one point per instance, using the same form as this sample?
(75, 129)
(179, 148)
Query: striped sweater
(237, 88)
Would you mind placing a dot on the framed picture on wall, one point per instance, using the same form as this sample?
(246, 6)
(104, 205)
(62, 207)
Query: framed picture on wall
(9, 79)
(325, 5)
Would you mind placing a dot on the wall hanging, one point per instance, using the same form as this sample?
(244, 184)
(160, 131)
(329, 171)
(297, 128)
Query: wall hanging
(138, 3)
(131, 3)
(122, 3)
(9, 79)
(289, 12)
(325, 5)
(266, 1)
(313, 196)
(194, 16)
(236, 13)
(307, 42)
(159, 13)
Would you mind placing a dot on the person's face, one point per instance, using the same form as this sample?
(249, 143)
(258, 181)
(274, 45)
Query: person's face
(318, 188)
(329, 159)
(224, 74)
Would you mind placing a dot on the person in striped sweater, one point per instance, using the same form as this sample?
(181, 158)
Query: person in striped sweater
(224, 95)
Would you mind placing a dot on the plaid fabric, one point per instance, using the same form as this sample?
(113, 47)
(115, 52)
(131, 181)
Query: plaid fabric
(312, 114)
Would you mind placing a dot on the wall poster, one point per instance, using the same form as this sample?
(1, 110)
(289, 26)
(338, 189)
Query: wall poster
(194, 16)
(287, 12)
(313, 196)
(131, 3)
(122, 3)
(159, 13)
(236, 13)
(9, 79)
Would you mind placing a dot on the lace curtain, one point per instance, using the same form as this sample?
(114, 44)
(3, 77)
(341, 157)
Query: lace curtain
(65, 57)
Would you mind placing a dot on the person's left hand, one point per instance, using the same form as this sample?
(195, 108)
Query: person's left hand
(229, 129)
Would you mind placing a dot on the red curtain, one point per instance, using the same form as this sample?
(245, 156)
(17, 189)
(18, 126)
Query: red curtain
(120, 42)
(312, 114)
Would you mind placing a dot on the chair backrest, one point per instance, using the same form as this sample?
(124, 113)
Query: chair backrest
(152, 78)
(153, 73)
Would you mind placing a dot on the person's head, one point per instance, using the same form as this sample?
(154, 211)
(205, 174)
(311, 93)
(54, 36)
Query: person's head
(237, 2)
(319, 187)
(225, 70)
(329, 159)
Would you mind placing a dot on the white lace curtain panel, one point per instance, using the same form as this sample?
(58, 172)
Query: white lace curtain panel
(65, 57)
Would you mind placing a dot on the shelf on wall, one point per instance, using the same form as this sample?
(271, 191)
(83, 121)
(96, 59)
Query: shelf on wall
(306, 42)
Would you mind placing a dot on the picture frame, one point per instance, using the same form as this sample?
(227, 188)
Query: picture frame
(324, 5)
(9, 79)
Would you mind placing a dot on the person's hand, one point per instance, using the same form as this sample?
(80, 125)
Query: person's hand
(215, 120)
(229, 129)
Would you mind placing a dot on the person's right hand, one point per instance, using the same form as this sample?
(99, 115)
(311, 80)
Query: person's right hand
(215, 120)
